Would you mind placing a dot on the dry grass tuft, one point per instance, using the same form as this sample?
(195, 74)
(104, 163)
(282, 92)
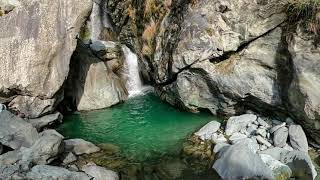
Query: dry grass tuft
(150, 32)
(306, 12)
(150, 8)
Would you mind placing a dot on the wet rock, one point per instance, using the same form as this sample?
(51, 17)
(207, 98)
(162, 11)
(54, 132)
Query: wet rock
(274, 128)
(280, 170)
(208, 130)
(47, 120)
(80, 146)
(68, 158)
(298, 139)
(263, 141)
(236, 123)
(280, 137)
(100, 173)
(41, 172)
(16, 132)
(236, 162)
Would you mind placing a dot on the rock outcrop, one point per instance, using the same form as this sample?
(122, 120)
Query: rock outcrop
(37, 41)
(211, 55)
(95, 80)
(15, 132)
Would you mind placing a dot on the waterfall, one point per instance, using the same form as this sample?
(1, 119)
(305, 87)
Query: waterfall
(134, 83)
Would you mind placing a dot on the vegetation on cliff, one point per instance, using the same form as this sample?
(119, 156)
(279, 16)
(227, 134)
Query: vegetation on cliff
(306, 12)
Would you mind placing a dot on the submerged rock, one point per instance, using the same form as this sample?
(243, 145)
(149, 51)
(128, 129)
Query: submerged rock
(16, 132)
(236, 123)
(240, 162)
(80, 146)
(100, 173)
(208, 130)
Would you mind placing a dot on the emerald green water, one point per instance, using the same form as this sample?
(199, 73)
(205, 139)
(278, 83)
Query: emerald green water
(143, 127)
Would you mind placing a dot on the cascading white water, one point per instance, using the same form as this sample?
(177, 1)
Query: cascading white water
(134, 83)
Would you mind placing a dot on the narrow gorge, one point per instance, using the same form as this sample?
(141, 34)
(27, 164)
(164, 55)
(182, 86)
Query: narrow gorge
(159, 89)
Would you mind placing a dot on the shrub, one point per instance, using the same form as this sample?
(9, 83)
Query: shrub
(150, 8)
(306, 12)
(149, 32)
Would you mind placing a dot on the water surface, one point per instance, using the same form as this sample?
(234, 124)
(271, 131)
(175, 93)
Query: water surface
(143, 127)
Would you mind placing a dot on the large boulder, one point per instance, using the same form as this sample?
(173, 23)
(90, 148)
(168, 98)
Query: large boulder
(16, 132)
(41, 172)
(248, 77)
(208, 130)
(37, 40)
(40, 123)
(92, 84)
(100, 173)
(280, 170)
(298, 138)
(240, 162)
(236, 123)
(304, 97)
(299, 162)
(280, 137)
(80, 146)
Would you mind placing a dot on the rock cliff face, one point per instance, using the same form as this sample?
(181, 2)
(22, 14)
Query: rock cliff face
(37, 39)
(212, 55)
(225, 56)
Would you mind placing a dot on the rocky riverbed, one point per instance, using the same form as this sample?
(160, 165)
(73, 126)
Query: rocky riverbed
(251, 146)
(30, 152)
